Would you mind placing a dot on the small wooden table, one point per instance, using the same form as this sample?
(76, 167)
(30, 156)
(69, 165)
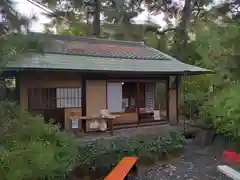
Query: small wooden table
(109, 119)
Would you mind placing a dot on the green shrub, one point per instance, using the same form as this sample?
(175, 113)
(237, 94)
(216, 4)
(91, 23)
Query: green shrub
(223, 111)
(194, 92)
(31, 149)
(101, 155)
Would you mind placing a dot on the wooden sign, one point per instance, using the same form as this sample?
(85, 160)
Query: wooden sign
(75, 124)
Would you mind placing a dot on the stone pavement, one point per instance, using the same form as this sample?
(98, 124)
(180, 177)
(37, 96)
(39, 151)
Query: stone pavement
(195, 164)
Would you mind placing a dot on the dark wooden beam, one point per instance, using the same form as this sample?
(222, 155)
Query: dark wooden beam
(84, 101)
(177, 97)
(127, 77)
(132, 73)
(167, 99)
(138, 102)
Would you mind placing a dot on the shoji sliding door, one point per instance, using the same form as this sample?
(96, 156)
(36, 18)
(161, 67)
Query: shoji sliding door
(150, 95)
(114, 97)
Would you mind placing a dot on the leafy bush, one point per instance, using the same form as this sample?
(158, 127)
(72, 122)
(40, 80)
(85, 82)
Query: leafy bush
(195, 91)
(223, 112)
(101, 155)
(31, 149)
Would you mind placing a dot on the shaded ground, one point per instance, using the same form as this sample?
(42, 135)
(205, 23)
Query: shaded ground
(136, 130)
(195, 164)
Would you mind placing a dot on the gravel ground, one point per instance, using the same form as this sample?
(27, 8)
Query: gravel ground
(195, 164)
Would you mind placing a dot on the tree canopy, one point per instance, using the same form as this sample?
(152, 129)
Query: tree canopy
(13, 28)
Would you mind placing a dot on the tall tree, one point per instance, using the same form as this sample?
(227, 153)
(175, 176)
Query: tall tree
(184, 12)
(13, 26)
(10, 19)
(230, 9)
(96, 21)
(113, 11)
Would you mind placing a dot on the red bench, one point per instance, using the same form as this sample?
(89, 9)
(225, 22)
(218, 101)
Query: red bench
(122, 169)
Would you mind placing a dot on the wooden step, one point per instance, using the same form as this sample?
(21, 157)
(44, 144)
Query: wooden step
(142, 124)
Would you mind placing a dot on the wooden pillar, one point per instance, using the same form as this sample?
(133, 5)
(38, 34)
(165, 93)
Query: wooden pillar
(138, 102)
(167, 99)
(84, 101)
(177, 98)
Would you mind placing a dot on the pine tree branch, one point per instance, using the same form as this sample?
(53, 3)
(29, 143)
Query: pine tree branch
(167, 30)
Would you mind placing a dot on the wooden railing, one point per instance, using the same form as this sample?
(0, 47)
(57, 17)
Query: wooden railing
(122, 169)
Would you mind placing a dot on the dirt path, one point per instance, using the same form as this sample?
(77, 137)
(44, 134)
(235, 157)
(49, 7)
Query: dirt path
(195, 164)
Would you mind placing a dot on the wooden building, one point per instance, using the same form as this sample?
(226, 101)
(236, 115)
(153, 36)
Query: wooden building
(78, 76)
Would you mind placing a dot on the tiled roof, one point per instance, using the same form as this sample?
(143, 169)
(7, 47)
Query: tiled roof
(92, 54)
(103, 48)
(88, 63)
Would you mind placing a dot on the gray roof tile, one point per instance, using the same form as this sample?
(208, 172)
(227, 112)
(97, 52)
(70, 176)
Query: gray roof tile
(89, 63)
(102, 48)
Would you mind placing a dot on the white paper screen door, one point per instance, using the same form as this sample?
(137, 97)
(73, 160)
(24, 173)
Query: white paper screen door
(114, 97)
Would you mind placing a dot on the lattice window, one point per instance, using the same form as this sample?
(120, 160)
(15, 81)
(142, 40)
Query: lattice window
(68, 97)
(52, 98)
(41, 98)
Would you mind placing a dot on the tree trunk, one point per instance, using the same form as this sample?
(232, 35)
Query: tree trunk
(96, 23)
(182, 34)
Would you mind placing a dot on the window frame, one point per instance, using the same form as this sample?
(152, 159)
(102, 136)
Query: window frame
(48, 98)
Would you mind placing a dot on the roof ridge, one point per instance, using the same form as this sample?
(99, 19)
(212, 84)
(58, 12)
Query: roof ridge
(100, 56)
(164, 54)
(93, 39)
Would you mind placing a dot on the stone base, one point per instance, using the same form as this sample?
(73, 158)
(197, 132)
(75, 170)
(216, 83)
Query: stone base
(204, 138)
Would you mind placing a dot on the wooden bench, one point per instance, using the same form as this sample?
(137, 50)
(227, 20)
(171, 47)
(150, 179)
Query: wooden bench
(122, 169)
(229, 172)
